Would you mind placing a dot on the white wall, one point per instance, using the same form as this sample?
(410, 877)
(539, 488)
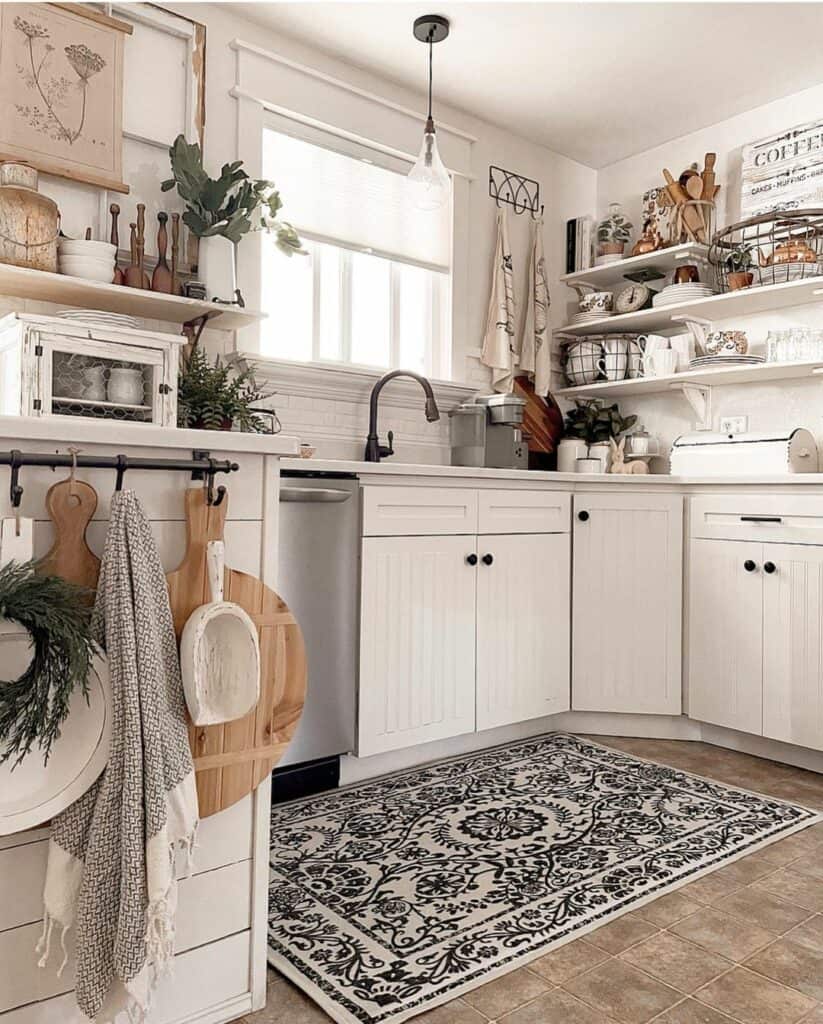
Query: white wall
(768, 406)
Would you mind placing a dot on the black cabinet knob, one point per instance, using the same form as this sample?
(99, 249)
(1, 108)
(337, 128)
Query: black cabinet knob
(488, 559)
(583, 516)
(471, 559)
(749, 565)
(769, 567)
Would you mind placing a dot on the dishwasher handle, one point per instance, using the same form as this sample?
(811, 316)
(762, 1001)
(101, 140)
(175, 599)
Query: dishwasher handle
(314, 494)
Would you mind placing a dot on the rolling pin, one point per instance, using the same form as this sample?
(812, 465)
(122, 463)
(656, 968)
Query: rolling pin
(114, 239)
(175, 249)
(141, 245)
(708, 177)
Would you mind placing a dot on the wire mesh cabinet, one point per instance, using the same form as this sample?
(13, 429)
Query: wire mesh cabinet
(49, 367)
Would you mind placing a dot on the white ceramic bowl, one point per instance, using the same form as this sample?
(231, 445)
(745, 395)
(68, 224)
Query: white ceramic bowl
(87, 267)
(82, 247)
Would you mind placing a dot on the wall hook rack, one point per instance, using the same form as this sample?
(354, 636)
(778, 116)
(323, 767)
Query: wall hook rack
(515, 190)
(201, 466)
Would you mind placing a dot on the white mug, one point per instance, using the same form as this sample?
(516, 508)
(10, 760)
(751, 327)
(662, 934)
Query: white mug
(683, 345)
(635, 359)
(661, 363)
(615, 359)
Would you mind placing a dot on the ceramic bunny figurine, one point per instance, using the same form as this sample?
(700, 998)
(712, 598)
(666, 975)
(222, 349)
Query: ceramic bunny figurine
(619, 464)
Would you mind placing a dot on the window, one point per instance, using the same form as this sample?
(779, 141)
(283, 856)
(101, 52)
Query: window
(375, 287)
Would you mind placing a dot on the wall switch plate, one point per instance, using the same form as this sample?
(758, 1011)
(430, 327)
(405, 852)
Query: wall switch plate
(734, 424)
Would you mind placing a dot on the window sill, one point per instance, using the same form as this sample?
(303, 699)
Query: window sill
(341, 383)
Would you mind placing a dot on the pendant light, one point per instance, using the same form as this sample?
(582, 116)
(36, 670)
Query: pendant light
(430, 178)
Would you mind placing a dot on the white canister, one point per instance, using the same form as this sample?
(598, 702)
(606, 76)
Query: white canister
(569, 451)
(602, 452)
(588, 465)
(125, 386)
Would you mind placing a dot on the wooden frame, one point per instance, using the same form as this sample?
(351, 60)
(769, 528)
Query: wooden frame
(68, 99)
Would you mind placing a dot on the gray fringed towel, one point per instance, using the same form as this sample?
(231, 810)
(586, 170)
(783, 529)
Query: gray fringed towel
(111, 855)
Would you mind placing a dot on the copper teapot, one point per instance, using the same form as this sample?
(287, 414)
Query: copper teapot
(794, 250)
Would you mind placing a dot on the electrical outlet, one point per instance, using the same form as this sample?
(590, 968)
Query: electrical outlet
(734, 424)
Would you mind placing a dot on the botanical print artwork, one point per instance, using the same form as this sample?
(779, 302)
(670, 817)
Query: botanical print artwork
(61, 82)
(391, 897)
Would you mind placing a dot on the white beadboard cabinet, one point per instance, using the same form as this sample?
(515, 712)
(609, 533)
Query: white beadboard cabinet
(417, 643)
(523, 621)
(726, 634)
(627, 602)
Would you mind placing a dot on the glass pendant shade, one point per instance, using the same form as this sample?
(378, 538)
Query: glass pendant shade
(430, 179)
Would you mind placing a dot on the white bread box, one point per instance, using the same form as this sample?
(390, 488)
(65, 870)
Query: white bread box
(766, 454)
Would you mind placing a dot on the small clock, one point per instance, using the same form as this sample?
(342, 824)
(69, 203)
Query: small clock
(633, 298)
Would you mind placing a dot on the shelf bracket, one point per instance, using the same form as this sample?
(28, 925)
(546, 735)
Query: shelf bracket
(699, 397)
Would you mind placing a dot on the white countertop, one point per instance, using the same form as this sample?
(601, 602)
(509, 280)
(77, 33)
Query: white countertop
(407, 469)
(143, 435)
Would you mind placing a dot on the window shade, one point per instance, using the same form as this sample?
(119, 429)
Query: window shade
(354, 202)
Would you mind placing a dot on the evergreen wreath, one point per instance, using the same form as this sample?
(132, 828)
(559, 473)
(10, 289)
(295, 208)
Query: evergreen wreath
(34, 707)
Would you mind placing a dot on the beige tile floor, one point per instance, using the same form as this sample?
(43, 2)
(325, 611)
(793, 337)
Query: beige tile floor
(743, 944)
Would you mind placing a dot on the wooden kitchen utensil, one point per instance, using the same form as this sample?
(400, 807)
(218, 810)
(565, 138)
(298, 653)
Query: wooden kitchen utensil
(141, 245)
(232, 759)
(708, 176)
(175, 252)
(132, 276)
(114, 239)
(71, 504)
(692, 220)
(161, 279)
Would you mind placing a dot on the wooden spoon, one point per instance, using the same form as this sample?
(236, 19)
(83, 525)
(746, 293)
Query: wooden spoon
(71, 504)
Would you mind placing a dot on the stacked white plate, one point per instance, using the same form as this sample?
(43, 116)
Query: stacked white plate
(590, 318)
(101, 318)
(702, 362)
(675, 293)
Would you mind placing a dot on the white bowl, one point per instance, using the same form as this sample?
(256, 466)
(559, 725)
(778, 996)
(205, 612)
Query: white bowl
(82, 247)
(91, 269)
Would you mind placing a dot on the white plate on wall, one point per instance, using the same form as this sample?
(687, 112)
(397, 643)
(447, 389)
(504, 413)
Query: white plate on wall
(34, 792)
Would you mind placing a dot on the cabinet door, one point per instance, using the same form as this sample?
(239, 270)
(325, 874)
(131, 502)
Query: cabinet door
(627, 601)
(726, 634)
(793, 644)
(417, 641)
(523, 628)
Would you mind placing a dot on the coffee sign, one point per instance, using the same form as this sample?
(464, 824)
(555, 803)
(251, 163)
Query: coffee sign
(783, 171)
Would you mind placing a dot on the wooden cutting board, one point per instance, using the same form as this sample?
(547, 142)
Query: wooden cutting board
(71, 506)
(231, 760)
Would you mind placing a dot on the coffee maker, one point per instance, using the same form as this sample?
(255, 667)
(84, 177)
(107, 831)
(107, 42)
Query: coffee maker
(486, 431)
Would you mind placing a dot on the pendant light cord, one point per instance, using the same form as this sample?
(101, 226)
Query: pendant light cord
(431, 48)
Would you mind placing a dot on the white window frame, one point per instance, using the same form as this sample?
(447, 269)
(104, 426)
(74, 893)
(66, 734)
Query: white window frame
(441, 337)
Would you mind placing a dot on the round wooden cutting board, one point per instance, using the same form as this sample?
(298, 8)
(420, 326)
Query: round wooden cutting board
(232, 759)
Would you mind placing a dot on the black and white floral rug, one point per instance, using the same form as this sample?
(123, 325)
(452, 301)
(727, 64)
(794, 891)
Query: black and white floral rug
(393, 896)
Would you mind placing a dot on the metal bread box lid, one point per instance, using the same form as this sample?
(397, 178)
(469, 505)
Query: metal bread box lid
(750, 454)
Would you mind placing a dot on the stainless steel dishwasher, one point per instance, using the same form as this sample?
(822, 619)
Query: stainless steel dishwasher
(318, 576)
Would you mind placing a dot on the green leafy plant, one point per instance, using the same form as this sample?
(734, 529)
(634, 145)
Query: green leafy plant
(740, 258)
(616, 227)
(231, 205)
(595, 423)
(213, 396)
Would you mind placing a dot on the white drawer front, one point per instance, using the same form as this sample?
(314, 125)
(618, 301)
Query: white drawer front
(418, 511)
(786, 518)
(510, 511)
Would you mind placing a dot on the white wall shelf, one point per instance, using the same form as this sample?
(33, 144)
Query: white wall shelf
(62, 289)
(745, 302)
(759, 374)
(664, 260)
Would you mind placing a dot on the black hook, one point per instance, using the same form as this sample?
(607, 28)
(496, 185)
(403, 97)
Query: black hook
(122, 466)
(15, 490)
(221, 491)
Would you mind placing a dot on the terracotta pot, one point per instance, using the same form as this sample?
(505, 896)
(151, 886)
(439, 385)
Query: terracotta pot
(740, 279)
(611, 248)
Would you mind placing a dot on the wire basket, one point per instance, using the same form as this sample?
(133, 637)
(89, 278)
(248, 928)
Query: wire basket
(773, 248)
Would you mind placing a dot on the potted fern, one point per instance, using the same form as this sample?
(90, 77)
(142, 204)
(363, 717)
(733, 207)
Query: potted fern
(229, 206)
(213, 396)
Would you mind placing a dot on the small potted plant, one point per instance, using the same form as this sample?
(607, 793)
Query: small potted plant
(213, 396)
(613, 232)
(738, 263)
(595, 424)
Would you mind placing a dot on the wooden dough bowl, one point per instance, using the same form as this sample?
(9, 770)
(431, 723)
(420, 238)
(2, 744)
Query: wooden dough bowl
(232, 759)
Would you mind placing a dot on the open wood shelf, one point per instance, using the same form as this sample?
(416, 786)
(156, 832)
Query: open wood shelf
(745, 302)
(760, 373)
(64, 290)
(613, 274)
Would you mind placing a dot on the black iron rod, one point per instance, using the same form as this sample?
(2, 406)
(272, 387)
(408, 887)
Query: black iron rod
(127, 463)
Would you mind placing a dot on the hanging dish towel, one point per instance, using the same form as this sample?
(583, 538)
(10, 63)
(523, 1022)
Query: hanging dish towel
(535, 339)
(499, 351)
(111, 854)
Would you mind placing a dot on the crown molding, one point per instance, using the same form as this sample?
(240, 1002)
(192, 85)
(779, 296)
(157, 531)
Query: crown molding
(339, 383)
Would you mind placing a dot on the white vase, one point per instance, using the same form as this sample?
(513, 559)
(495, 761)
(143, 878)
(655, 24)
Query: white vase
(569, 451)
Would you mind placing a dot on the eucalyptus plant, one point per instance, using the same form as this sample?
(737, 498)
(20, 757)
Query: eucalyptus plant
(229, 206)
(594, 423)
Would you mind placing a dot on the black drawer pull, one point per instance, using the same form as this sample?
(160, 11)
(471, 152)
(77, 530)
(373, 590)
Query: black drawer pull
(583, 516)
(749, 565)
(471, 559)
(769, 567)
(761, 519)
(487, 559)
